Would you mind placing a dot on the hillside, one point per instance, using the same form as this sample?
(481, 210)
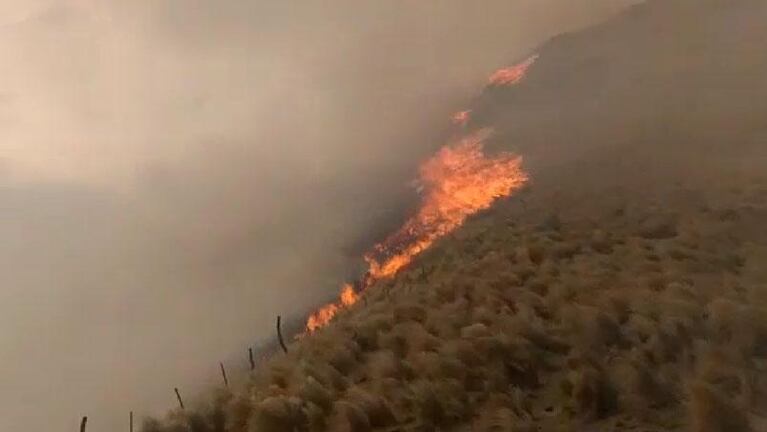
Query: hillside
(624, 289)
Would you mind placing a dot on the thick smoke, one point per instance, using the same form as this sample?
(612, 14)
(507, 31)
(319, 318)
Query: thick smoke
(173, 173)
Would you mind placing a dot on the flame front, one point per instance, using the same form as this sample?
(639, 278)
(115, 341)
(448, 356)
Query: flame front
(512, 75)
(461, 118)
(457, 182)
(325, 314)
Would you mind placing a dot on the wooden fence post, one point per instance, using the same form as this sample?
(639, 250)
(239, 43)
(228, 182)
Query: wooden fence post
(178, 396)
(223, 373)
(279, 335)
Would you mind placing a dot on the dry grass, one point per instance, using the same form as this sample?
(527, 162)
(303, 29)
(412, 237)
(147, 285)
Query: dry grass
(615, 297)
(514, 338)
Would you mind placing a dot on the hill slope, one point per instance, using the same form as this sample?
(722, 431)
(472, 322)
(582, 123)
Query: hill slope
(625, 290)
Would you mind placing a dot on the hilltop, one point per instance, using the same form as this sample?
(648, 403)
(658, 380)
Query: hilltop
(623, 289)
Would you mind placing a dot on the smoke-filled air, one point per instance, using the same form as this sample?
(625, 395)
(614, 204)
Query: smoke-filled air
(357, 216)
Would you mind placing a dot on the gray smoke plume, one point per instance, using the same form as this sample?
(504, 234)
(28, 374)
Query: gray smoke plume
(175, 173)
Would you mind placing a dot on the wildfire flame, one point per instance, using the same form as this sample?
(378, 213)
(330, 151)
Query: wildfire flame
(457, 182)
(461, 118)
(512, 75)
(325, 314)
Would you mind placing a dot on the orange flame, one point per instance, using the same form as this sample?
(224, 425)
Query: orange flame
(461, 118)
(325, 314)
(457, 182)
(512, 75)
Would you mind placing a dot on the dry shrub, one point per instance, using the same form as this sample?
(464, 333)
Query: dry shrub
(503, 279)
(409, 312)
(711, 412)
(315, 392)
(546, 341)
(593, 396)
(276, 414)
(594, 329)
(351, 418)
(418, 339)
(716, 370)
(427, 365)
(462, 350)
(280, 374)
(368, 330)
(502, 419)
(658, 227)
(524, 271)
(722, 316)
(641, 386)
(601, 242)
(757, 294)
(376, 409)
(483, 314)
(566, 249)
(639, 328)
(238, 411)
(394, 342)
(342, 356)
(151, 425)
(473, 331)
(325, 374)
(440, 402)
(536, 252)
(539, 285)
(316, 417)
(384, 364)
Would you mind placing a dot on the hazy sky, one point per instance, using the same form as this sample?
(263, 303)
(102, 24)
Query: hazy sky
(172, 172)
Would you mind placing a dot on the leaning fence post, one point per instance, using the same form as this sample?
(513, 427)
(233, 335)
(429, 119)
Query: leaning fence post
(279, 335)
(252, 361)
(178, 396)
(223, 373)
(83, 422)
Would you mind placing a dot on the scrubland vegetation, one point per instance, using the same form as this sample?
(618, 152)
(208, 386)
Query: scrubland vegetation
(609, 313)
(626, 290)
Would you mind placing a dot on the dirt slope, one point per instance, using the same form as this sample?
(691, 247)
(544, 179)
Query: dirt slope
(626, 289)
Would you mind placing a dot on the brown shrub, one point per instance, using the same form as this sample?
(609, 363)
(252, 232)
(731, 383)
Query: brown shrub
(275, 414)
(593, 396)
(440, 402)
(342, 356)
(314, 392)
(601, 242)
(475, 331)
(376, 409)
(352, 417)
(238, 411)
(384, 364)
(711, 412)
(316, 417)
(409, 312)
